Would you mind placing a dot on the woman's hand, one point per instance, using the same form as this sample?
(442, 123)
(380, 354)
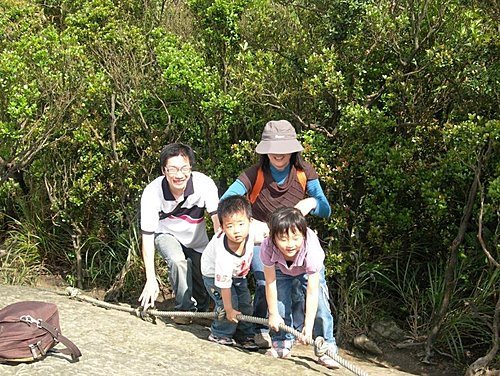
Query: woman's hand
(306, 205)
(260, 230)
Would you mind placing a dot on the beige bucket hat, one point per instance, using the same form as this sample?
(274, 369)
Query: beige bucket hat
(278, 137)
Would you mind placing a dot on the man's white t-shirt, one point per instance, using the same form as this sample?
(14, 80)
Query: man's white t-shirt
(187, 223)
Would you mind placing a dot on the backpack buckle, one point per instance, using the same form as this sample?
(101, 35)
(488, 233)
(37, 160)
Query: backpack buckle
(33, 348)
(30, 320)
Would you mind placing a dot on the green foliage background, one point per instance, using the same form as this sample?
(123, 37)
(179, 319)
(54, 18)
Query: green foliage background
(393, 101)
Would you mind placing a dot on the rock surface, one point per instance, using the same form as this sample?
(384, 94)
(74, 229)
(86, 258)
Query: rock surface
(364, 343)
(117, 343)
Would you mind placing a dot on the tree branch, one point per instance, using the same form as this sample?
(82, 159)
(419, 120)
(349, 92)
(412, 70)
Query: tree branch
(480, 226)
(449, 278)
(483, 362)
(113, 127)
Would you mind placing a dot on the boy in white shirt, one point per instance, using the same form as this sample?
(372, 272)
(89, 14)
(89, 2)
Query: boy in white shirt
(225, 263)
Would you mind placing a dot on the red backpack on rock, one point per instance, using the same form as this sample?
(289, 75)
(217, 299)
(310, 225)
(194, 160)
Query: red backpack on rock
(29, 329)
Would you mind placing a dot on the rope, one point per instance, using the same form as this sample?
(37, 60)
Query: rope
(320, 346)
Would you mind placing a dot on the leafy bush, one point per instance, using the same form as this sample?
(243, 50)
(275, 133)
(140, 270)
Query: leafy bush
(395, 104)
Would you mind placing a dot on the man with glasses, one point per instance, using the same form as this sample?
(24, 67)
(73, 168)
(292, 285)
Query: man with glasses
(172, 221)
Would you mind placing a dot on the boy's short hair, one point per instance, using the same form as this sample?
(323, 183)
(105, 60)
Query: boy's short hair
(232, 205)
(285, 219)
(174, 150)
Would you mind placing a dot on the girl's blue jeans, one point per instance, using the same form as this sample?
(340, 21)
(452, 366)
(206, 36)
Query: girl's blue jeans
(323, 323)
(298, 299)
(259, 300)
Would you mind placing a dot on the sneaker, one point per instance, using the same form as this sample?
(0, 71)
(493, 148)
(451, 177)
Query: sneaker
(328, 362)
(222, 340)
(277, 352)
(247, 343)
(181, 320)
(263, 340)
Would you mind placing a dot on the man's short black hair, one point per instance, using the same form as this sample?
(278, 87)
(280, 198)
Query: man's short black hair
(174, 150)
(232, 205)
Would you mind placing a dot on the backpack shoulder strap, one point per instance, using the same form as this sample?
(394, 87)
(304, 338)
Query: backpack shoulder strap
(257, 186)
(301, 176)
(71, 348)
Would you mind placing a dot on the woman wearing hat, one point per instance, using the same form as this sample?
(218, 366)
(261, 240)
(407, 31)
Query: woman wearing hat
(280, 179)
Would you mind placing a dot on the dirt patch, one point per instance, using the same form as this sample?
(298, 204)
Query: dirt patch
(408, 360)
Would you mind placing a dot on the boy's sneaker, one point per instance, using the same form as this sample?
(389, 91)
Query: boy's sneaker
(263, 340)
(247, 343)
(222, 340)
(328, 362)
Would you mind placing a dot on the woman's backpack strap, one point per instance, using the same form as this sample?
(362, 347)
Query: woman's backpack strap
(257, 186)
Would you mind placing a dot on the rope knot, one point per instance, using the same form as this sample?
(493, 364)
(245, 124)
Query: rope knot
(145, 315)
(139, 312)
(320, 346)
(220, 314)
(72, 291)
